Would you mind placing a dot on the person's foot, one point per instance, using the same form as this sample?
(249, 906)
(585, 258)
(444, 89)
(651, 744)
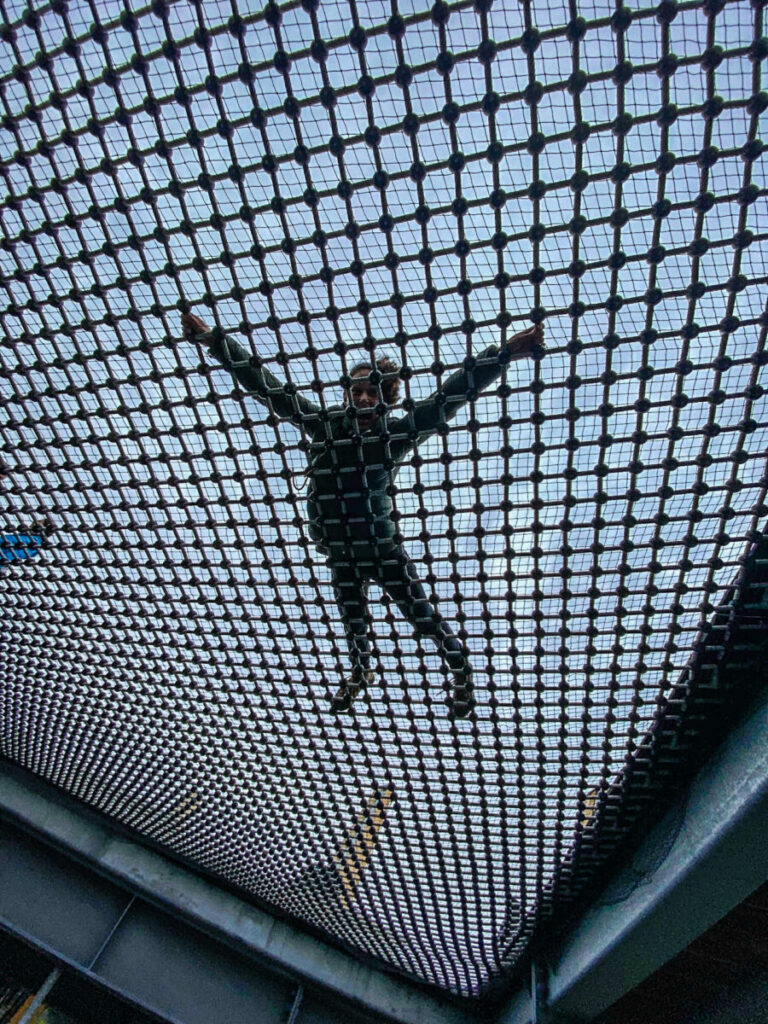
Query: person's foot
(463, 701)
(350, 689)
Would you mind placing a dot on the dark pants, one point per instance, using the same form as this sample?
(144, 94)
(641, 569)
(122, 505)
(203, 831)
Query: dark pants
(389, 566)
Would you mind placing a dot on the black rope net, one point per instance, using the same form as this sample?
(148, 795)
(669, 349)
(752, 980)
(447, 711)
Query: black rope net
(329, 182)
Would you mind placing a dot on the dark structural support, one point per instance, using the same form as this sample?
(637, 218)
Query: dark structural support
(706, 855)
(176, 945)
(167, 940)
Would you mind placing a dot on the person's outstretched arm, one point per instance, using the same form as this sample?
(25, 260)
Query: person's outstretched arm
(279, 397)
(465, 384)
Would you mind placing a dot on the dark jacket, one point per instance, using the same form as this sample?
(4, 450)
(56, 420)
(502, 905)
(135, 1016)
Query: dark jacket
(18, 547)
(350, 471)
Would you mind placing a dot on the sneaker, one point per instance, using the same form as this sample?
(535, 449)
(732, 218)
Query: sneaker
(350, 689)
(463, 701)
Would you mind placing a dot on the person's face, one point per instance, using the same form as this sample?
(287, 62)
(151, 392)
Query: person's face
(364, 397)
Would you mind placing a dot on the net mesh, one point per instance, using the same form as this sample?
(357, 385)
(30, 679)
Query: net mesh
(327, 182)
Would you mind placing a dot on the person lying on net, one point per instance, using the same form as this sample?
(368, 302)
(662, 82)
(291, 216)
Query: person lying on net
(354, 454)
(21, 546)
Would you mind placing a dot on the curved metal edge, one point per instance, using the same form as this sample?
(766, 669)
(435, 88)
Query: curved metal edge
(41, 811)
(707, 854)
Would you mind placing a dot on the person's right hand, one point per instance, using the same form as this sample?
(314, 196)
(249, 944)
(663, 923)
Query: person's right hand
(526, 343)
(193, 325)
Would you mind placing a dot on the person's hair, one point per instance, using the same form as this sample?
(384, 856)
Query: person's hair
(390, 385)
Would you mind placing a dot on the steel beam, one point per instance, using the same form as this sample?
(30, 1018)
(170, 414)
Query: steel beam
(168, 940)
(706, 855)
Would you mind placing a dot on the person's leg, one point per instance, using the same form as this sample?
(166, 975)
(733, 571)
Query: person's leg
(350, 588)
(399, 577)
(350, 592)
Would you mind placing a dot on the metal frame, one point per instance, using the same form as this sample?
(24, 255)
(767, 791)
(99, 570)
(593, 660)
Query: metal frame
(706, 855)
(168, 940)
(111, 906)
